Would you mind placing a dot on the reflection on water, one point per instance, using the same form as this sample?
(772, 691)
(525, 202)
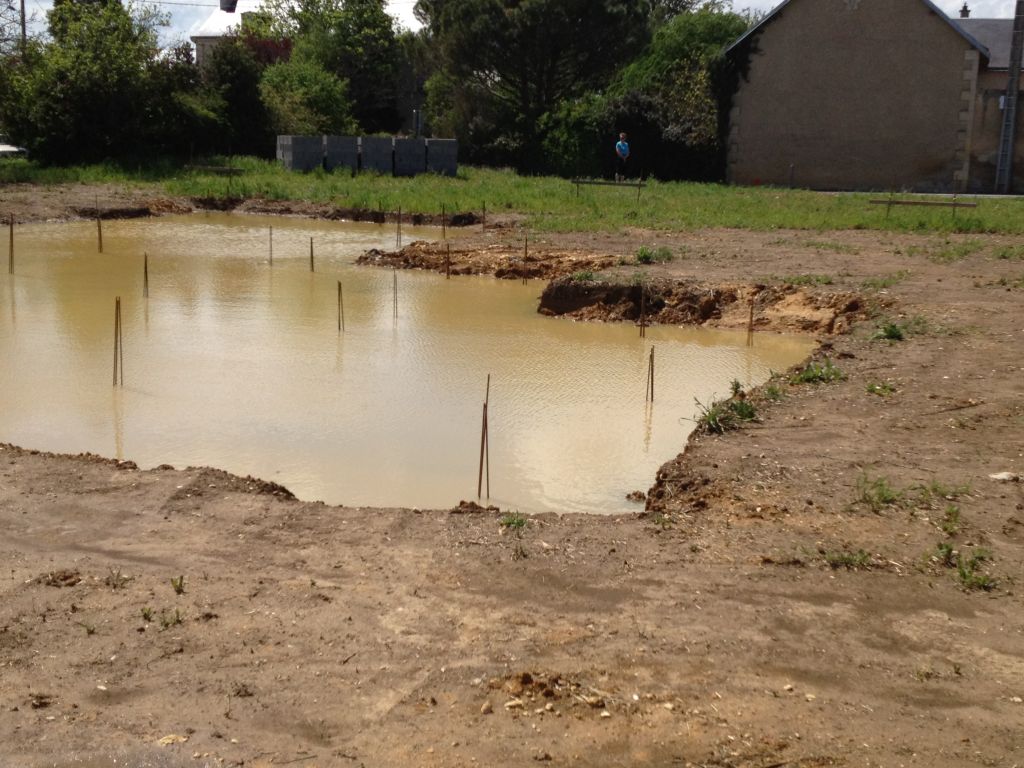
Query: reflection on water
(238, 364)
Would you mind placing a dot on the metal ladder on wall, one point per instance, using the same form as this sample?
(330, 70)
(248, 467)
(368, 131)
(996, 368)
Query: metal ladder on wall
(1004, 161)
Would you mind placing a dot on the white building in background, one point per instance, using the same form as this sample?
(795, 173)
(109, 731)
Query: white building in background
(207, 33)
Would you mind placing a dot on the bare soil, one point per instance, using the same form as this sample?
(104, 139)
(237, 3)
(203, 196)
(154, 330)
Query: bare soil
(833, 583)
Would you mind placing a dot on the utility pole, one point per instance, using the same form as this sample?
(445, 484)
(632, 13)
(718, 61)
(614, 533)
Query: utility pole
(24, 38)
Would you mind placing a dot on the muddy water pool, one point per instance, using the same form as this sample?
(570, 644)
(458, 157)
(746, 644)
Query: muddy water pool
(236, 363)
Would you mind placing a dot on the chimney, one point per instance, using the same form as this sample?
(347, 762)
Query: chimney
(965, 12)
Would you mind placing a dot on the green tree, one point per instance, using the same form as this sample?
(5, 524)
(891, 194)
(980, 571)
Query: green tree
(355, 40)
(669, 98)
(231, 92)
(524, 57)
(304, 98)
(77, 97)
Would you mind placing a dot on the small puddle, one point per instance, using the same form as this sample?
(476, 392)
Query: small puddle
(237, 364)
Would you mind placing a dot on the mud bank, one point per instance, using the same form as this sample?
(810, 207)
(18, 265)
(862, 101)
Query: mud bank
(689, 302)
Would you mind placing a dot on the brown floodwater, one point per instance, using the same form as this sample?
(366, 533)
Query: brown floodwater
(236, 363)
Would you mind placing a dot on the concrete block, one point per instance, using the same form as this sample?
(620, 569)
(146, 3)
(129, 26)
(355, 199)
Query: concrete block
(301, 153)
(443, 156)
(377, 154)
(410, 157)
(341, 152)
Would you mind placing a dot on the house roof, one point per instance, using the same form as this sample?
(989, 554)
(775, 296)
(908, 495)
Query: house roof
(994, 34)
(219, 22)
(938, 12)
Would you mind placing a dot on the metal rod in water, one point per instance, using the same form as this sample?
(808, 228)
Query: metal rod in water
(341, 309)
(120, 340)
(395, 284)
(398, 229)
(484, 451)
(271, 245)
(10, 249)
(649, 395)
(444, 225)
(487, 434)
(118, 343)
(145, 275)
(311, 265)
(448, 262)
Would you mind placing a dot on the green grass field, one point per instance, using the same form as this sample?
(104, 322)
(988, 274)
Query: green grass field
(550, 203)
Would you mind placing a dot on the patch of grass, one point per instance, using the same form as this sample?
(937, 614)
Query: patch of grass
(663, 521)
(722, 416)
(772, 392)
(883, 389)
(168, 620)
(178, 585)
(889, 332)
(946, 252)
(583, 276)
(885, 281)
(834, 247)
(936, 489)
(946, 554)
(818, 373)
(548, 203)
(1009, 253)
(735, 387)
(645, 255)
(639, 279)
(801, 280)
(513, 521)
(116, 579)
(1010, 282)
(876, 493)
(844, 558)
(950, 523)
(969, 571)
(147, 614)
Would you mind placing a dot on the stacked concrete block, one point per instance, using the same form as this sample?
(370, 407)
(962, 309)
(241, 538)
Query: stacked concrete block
(378, 154)
(410, 157)
(443, 156)
(300, 153)
(341, 152)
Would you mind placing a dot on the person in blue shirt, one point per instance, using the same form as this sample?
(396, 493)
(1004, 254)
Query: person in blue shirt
(621, 157)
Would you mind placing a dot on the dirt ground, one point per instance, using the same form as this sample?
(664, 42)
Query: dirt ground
(834, 583)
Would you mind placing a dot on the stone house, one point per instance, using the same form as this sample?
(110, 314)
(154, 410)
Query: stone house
(870, 94)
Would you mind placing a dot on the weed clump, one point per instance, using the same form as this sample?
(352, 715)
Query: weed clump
(818, 373)
(178, 585)
(844, 558)
(877, 493)
(722, 416)
(583, 276)
(513, 521)
(645, 255)
(970, 573)
(883, 389)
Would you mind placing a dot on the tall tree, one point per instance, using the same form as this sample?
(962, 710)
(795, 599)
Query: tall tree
(355, 40)
(79, 98)
(526, 56)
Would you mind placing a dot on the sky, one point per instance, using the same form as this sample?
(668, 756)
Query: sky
(187, 15)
